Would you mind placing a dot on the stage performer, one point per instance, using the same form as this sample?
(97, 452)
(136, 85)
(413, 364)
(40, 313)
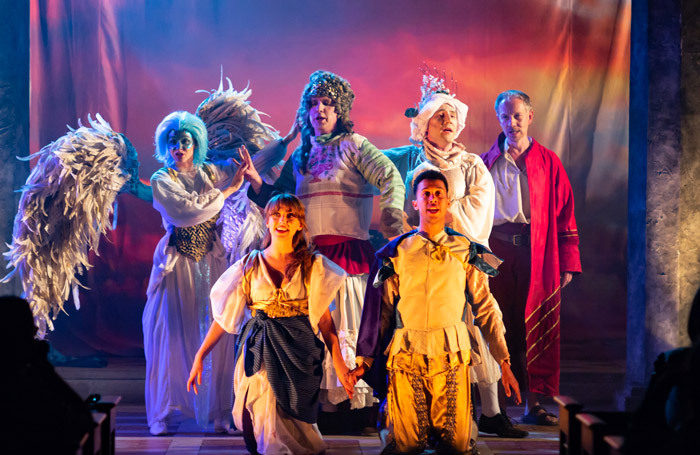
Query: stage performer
(335, 172)
(277, 299)
(435, 126)
(189, 193)
(426, 280)
(535, 234)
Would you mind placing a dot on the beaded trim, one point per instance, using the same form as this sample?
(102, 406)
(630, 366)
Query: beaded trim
(325, 87)
(451, 411)
(194, 241)
(421, 410)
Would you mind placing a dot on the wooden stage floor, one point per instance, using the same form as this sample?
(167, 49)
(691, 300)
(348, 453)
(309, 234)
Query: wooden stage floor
(592, 372)
(133, 438)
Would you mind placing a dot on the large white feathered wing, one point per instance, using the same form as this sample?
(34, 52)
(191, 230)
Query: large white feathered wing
(232, 122)
(64, 208)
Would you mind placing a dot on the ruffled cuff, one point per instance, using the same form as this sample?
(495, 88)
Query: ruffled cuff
(391, 222)
(366, 361)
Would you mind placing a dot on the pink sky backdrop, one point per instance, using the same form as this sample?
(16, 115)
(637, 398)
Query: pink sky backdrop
(135, 61)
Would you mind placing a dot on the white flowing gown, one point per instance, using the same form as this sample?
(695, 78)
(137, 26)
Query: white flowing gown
(177, 315)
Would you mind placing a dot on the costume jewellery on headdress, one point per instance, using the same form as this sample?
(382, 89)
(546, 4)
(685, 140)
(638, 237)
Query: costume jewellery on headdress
(434, 93)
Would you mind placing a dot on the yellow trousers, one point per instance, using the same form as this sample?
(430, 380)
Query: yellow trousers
(429, 397)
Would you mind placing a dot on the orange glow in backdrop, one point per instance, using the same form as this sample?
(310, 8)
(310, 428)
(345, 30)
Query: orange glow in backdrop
(134, 62)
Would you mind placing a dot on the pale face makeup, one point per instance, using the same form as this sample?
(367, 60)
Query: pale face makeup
(322, 115)
(442, 127)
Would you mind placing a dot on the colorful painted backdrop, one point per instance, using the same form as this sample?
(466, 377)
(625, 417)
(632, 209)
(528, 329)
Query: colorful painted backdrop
(134, 62)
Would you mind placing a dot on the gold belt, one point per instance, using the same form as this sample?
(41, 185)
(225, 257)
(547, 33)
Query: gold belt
(194, 241)
(279, 307)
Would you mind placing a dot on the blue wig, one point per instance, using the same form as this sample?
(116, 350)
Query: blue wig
(176, 121)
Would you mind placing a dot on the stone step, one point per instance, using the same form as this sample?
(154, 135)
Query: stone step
(125, 376)
(596, 383)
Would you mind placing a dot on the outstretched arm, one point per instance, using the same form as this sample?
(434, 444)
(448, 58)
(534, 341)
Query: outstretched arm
(509, 382)
(293, 132)
(213, 336)
(330, 336)
(135, 186)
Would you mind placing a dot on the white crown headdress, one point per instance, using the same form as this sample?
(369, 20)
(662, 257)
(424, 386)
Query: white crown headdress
(434, 93)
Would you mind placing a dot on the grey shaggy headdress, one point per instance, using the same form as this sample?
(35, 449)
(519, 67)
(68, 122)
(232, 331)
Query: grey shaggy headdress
(323, 83)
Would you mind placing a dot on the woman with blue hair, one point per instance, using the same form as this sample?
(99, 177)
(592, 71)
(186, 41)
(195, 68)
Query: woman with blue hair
(189, 193)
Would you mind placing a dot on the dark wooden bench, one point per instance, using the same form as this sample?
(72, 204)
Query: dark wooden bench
(594, 428)
(108, 405)
(569, 426)
(614, 443)
(93, 445)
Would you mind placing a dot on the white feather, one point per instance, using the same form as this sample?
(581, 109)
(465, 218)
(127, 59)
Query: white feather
(231, 122)
(64, 208)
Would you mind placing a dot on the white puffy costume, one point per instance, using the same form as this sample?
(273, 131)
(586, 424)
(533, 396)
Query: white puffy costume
(471, 193)
(191, 256)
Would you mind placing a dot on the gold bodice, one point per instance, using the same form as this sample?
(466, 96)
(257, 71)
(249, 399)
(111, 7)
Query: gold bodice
(279, 306)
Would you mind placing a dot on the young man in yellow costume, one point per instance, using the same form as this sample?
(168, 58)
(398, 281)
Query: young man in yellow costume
(415, 314)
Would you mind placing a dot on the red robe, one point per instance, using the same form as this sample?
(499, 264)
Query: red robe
(554, 250)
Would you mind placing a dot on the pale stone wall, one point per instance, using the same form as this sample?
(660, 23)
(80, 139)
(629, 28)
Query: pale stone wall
(689, 239)
(664, 180)
(14, 118)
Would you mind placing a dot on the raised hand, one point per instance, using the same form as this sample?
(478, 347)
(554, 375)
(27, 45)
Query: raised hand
(238, 178)
(250, 174)
(292, 134)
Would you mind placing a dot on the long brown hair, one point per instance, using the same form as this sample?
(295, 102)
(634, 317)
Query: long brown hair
(303, 253)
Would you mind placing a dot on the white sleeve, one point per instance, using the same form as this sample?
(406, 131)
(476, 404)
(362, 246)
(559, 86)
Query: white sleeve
(229, 297)
(223, 173)
(472, 214)
(326, 278)
(180, 207)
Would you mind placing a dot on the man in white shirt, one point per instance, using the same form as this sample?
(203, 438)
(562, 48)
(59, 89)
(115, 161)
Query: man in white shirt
(535, 235)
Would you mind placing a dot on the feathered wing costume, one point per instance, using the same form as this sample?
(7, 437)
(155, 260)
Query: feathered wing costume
(69, 196)
(231, 122)
(64, 208)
